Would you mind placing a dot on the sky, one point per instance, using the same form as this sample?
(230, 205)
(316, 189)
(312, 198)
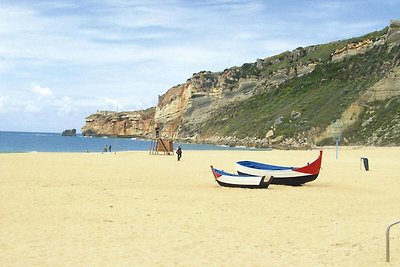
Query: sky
(62, 60)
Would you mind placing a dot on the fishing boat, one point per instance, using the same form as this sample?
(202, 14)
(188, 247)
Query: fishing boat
(282, 175)
(235, 180)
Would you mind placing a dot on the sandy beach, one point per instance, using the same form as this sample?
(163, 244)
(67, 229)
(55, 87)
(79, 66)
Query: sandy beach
(135, 209)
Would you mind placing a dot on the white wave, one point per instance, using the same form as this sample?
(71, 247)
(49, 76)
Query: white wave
(42, 134)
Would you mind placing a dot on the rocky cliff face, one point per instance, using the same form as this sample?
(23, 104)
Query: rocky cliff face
(184, 110)
(393, 35)
(124, 124)
(194, 101)
(356, 48)
(384, 90)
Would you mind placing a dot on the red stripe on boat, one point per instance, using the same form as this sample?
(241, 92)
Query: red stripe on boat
(216, 175)
(312, 168)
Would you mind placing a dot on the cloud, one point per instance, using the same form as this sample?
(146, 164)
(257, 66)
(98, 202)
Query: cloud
(65, 106)
(123, 104)
(41, 91)
(32, 108)
(2, 100)
(111, 101)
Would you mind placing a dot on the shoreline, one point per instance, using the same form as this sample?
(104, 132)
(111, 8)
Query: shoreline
(227, 148)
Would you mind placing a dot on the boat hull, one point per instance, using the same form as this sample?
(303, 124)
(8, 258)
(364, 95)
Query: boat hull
(294, 181)
(282, 175)
(244, 181)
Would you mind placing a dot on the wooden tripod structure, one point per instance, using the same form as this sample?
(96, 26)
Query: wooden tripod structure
(159, 145)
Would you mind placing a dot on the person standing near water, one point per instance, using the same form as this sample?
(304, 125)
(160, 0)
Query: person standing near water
(157, 132)
(179, 153)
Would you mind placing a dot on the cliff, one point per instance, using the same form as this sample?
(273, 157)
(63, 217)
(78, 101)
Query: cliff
(294, 99)
(122, 124)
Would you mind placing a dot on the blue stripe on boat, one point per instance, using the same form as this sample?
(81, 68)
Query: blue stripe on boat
(220, 172)
(258, 165)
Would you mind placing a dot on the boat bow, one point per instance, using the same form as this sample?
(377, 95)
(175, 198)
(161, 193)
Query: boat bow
(312, 168)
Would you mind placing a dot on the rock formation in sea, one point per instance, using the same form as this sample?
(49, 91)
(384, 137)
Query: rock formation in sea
(69, 132)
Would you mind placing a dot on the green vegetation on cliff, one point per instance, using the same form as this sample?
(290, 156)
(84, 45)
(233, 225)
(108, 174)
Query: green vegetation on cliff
(314, 100)
(380, 123)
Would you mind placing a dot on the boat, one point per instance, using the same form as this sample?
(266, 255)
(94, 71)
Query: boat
(282, 175)
(235, 180)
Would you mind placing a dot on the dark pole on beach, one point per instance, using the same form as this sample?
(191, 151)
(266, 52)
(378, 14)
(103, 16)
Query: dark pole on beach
(115, 134)
(337, 149)
(337, 135)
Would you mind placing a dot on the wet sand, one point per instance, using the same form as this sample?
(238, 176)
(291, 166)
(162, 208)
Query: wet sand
(135, 209)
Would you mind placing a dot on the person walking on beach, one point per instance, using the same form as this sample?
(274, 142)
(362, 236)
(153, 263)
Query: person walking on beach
(179, 153)
(109, 148)
(105, 148)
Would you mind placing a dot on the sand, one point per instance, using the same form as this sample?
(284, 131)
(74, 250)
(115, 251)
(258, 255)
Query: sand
(134, 209)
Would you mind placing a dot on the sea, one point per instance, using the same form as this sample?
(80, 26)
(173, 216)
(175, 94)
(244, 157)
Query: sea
(15, 142)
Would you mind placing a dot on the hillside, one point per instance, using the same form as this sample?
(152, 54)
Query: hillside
(298, 98)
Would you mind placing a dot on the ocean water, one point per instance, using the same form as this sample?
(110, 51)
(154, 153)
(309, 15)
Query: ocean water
(11, 142)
